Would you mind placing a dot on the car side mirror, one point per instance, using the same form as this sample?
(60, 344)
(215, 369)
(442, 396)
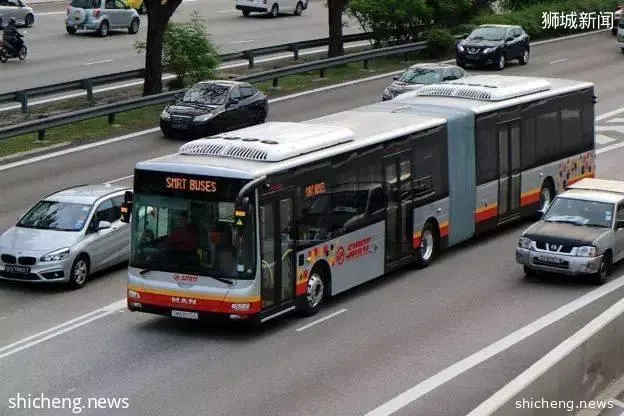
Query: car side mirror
(509, 39)
(233, 101)
(104, 225)
(126, 207)
(395, 78)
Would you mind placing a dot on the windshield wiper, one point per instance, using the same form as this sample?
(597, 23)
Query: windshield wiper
(144, 272)
(565, 222)
(595, 225)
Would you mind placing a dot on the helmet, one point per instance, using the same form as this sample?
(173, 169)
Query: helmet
(12, 21)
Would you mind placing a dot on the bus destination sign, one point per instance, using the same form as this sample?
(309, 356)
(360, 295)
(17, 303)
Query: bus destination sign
(193, 185)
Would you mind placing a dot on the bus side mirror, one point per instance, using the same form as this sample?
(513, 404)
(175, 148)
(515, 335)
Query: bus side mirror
(126, 207)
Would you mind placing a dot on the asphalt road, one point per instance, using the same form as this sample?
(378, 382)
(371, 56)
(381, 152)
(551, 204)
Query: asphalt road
(54, 56)
(395, 332)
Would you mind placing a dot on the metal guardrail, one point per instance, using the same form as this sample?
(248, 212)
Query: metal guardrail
(87, 84)
(41, 125)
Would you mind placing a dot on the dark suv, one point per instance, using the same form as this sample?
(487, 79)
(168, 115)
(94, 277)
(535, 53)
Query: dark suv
(493, 45)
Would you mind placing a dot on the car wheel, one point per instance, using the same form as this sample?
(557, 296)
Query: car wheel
(103, 29)
(524, 59)
(622, 50)
(502, 62)
(29, 20)
(428, 245)
(546, 196)
(3, 57)
(246, 12)
(530, 273)
(316, 291)
(70, 30)
(79, 272)
(167, 132)
(261, 117)
(1, 25)
(134, 26)
(275, 10)
(460, 64)
(604, 270)
(299, 9)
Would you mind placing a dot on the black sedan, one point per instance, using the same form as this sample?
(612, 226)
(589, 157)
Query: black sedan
(494, 45)
(211, 107)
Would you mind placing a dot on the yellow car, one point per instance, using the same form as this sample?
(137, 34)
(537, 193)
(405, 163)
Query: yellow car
(138, 5)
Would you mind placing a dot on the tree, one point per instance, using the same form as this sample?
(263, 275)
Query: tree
(158, 14)
(336, 9)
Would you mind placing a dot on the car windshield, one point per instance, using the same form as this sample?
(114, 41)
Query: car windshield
(59, 216)
(580, 212)
(488, 33)
(421, 76)
(207, 94)
(83, 4)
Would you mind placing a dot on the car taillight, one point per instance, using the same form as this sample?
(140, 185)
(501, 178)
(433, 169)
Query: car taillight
(96, 13)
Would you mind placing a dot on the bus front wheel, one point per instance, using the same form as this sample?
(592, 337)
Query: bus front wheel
(426, 250)
(316, 291)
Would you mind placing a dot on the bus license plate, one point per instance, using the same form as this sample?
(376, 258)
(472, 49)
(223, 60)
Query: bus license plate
(550, 259)
(185, 314)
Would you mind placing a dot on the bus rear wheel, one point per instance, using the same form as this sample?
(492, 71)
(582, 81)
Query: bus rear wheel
(316, 291)
(428, 245)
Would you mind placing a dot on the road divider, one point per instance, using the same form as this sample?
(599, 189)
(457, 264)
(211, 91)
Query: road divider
(570, 376)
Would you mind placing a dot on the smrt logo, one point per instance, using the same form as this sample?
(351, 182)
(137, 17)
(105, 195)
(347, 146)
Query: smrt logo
(185, 278)
(359, 248)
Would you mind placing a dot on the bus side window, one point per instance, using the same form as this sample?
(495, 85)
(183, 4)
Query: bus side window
(378, 201)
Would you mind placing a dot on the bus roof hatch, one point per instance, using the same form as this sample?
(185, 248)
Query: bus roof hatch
(486, 87)
(269, 142)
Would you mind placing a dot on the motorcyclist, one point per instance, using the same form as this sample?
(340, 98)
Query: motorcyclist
(12, 38)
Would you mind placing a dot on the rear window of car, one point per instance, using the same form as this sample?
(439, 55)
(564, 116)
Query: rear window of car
(83, 4)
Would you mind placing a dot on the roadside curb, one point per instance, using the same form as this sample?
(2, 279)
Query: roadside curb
(33, 152)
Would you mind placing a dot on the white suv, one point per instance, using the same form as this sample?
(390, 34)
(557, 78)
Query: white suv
(273, 7)
(101, 16)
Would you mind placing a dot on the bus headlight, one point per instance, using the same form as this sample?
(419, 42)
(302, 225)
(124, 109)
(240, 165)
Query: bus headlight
(524, 243)
(133, 294)
(586, 251)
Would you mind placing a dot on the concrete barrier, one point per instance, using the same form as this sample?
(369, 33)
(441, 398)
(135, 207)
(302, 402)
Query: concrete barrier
(568, 378)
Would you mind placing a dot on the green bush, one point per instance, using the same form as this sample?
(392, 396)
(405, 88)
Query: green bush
(188, 52)
(439, 42)
(531, 18)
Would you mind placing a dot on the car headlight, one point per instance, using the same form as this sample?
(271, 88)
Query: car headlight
(586, 251)
(165, 114)
(203, 117)
(56, 255)
(489, 50)
(524, 242)
(460, 48)
(387, 93)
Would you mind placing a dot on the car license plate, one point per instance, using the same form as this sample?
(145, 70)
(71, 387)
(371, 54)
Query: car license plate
(185, 314)
(16, 269)
(550, 259)
(179, 126)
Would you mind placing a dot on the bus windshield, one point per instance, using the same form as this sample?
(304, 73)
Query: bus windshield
(191, 235)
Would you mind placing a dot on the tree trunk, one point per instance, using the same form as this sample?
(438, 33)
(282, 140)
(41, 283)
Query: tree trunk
(158, 16)
(335, 10)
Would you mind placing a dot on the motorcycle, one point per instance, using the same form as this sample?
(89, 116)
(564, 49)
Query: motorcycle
(5, 55)
(617, 16)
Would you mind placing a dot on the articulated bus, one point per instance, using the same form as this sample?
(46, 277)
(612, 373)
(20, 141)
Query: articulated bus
(258, 222)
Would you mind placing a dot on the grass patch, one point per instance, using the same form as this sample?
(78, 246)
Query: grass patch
(136, 120)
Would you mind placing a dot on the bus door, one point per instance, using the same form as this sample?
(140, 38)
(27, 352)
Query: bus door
(398, 179)
(509, 171)
(277, 249)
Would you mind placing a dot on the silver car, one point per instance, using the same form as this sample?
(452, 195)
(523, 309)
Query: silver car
(101, 16)
(23, 14)
(581, 232)
(419, 75)
(67, 236)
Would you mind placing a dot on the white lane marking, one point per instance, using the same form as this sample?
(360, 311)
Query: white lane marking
(242, 41)
(602, 139)
(490, 351)
(78, 148)
(49, 13)
(609, 148)
(287, 97)
(61, 329)
(548, 361)
(616, 120)
(318, 321)
(98, 62)
(610, 114)
(557, 61)
(118, 179)
(226, 11)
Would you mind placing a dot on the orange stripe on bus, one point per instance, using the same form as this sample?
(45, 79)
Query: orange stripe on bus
(530, 197)
(193, 295)
(579, 177)
(201, 305)
(486, 213)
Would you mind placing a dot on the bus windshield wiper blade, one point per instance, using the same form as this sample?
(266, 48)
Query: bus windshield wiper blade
(144, 272)
(223, 280)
